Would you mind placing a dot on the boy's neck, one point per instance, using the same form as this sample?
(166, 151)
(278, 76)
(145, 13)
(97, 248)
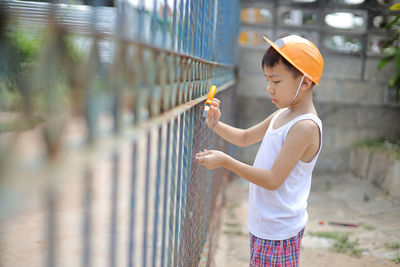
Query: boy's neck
(303, 104)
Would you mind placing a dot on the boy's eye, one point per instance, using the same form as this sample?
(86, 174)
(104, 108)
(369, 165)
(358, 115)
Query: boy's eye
(276, 82)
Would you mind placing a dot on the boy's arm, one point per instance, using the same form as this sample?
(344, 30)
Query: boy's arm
(236, 136)
(299, 139)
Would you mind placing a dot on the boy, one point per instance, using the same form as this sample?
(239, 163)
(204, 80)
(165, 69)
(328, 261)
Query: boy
(280, 178)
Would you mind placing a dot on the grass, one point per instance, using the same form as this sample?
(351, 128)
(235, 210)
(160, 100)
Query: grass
(393, 246)
(342, 243)
(20, 125)
(367, 227)
(381, 145)
(231, 210)
(229, 224)
(233, 232)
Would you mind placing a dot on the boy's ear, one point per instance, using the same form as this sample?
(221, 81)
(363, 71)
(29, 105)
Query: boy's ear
(307, 83)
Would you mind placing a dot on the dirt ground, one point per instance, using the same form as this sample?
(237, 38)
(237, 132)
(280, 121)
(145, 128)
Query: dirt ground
(333, 198)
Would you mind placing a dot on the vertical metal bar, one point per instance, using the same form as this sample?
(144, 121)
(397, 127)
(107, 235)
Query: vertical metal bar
(179, 189)
(172, 192)
(157, 197)
(195, 27)
(186, 28)
(153, 25)
(192, 26)
(186, 171)
(140, 20)
(114, 211)
(181, 26)
(87, 218)
(131, 251)
(165, 24)
(208, 27)
(166, 173)
(191, 138)
(201, 28)
(146, 201)
(173, 32)
(215, 33)
(51, 227)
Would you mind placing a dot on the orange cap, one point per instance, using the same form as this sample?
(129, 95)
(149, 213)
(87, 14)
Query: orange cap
(302, 54)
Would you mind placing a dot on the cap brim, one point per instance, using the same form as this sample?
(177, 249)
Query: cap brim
(286, 57)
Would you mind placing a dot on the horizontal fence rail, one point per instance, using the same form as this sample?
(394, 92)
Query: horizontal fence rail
(100, 119)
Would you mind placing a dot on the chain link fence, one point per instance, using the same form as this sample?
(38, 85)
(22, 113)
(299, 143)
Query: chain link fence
(100, 119)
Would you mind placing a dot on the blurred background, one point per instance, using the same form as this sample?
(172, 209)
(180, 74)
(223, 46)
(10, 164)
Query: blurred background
(100, 117)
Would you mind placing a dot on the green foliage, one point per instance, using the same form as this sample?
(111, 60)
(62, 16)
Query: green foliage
(382, 145)
(23, 51)
(392, 52)
(393, 246)
(342, 243)
(20, 52)
(367, 227)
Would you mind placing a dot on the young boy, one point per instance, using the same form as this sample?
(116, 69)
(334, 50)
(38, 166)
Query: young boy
(280, 178)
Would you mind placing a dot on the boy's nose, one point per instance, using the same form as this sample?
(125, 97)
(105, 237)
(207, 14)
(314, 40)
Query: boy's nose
(270, 89)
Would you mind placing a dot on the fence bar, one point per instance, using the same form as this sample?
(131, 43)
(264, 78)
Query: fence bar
(165, 201)
(87, 216)
(157, 196)
(114, 212)
(51, 228)
(146, 201)
(132, 191)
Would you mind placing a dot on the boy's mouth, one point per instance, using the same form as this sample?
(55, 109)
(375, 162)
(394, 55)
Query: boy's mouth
(274, 101)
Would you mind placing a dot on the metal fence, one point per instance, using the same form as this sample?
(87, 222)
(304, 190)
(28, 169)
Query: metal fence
(100, 118)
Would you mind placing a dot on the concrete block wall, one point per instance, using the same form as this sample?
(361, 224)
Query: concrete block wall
(350, 101)
(377, 167)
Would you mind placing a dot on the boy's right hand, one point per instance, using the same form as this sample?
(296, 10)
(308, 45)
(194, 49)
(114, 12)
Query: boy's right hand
(213, 114)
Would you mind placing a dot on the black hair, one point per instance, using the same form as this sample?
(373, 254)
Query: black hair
(272, 57)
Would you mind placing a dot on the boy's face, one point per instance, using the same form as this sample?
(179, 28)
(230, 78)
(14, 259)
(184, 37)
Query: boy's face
(282, 85)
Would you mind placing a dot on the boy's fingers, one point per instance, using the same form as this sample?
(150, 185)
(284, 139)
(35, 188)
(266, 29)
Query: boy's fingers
(215, 102)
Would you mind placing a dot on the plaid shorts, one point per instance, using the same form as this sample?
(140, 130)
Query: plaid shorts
(277, 253)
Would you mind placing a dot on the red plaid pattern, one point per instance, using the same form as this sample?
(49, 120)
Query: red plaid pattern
(276, 253)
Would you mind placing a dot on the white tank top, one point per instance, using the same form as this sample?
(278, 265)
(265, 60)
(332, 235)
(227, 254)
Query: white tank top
(281, 214)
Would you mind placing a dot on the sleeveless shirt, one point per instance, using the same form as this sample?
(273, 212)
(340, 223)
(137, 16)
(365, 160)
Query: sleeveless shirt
(281, 214)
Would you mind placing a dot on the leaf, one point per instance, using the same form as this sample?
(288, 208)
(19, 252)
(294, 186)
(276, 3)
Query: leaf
(390, 51)
(395, 7)
(395, 79)
(384, 61)
(398, 60)
(394, 21)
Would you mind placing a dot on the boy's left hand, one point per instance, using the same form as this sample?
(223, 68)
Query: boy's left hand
(211, 159)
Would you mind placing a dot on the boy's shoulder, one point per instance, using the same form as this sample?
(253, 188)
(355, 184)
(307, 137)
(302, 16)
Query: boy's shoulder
(305, 130)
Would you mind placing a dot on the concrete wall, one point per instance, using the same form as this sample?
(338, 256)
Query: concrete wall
(352, 103)
(378, 167)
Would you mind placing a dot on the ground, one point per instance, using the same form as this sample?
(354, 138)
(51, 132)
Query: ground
(333, 198)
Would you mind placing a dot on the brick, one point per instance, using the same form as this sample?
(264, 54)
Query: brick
(378, 170)
(342, 66)
(372, 73)
(359, 161)
(360, 92)
(326, 92)
(394, 179)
